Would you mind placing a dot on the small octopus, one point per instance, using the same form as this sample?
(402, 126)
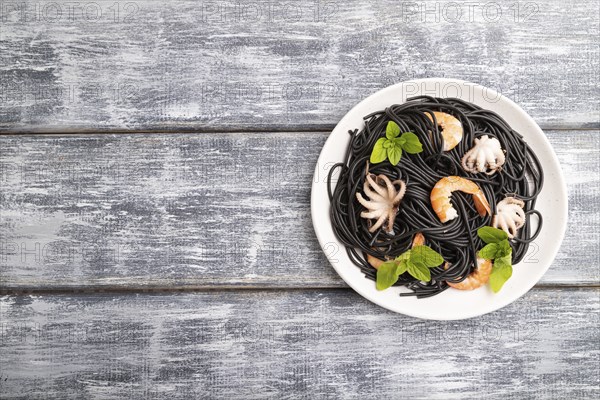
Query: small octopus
(384, 200)
(486, 156)
(510, 216)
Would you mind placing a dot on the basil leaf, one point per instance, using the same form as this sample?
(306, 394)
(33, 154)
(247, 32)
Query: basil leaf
(386, 275)
(419, 271)
(399, 142)
(412, 143)
(394, 153)
(379, 153)
(426, 256)
(489, 251)
(501, 272)
(504, 249)
(503, 261)
(392, 130)
(491, 235)
(404, 256)
(401, 268)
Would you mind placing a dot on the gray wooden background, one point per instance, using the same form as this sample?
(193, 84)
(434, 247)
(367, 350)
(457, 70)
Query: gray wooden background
(156, 160)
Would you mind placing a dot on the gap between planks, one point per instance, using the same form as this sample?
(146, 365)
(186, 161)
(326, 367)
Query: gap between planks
(203, 289)
(197, 130)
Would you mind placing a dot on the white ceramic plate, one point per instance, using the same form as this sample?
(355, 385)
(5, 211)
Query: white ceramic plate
(452, 304)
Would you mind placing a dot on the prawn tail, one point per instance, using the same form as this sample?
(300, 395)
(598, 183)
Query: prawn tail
(418, 240)
(481, 204)
(374, 261)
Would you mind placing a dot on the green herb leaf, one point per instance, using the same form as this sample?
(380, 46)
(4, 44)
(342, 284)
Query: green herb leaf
(504, 249)
(389, 272)
(491, 235)
(419, 271)
(500, 250)
(392, 130)
(386, 275)
(399, 141)
(379, 153)
(404, 256)
(426, 255)
(503, 261)
(394, 153)
(401, 268)
(416, 261)
(412, 143)
(489, 251)
(501, 272)
(391, 146)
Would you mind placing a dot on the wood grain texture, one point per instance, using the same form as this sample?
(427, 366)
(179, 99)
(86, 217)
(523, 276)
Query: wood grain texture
(294, 344)
(250, 65)
(197, 211)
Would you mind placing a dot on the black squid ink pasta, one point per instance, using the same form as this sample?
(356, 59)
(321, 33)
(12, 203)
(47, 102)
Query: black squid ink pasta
(456, 240)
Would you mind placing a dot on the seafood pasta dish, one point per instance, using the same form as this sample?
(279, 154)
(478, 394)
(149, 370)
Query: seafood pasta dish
(436, 194)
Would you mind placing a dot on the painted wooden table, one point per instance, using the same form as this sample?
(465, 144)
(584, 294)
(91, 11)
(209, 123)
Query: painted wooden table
(155, 171)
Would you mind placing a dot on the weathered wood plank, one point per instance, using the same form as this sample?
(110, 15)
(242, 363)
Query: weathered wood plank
(294, 344)
(229, 64)
(141, 211)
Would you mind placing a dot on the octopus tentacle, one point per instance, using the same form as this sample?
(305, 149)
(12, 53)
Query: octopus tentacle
(401, 192)
(372, 194)
(372, 214)
(390, 188)
(378, 188)
(379, 222)
(368, 204)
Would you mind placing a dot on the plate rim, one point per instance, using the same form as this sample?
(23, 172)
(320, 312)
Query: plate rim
(559, 180)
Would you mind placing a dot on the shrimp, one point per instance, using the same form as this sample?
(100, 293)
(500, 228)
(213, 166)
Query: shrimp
(452, 130)
(418, 240)
(477, 278)
(374, 261)
(441, 192)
